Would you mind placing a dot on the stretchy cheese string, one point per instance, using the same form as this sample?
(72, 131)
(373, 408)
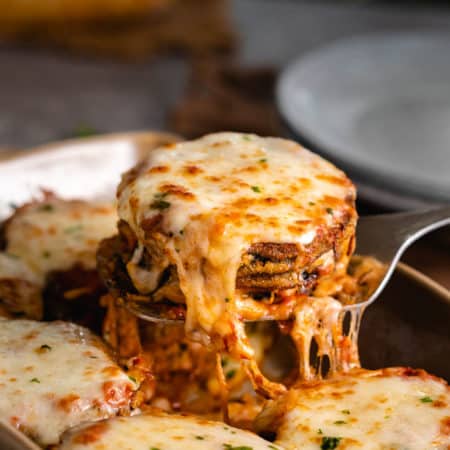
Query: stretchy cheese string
(224, 391)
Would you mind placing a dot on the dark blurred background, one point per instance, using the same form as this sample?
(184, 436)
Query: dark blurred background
(78, 67)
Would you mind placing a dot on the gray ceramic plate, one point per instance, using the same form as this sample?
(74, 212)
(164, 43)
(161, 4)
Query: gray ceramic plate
(380, 106)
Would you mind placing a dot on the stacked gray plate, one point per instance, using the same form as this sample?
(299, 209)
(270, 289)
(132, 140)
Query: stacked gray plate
(379, 106)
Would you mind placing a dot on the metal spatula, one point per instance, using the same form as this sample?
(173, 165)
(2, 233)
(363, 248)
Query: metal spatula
(387, 236)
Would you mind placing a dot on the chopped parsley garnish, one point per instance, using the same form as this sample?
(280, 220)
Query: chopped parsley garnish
(345, 411)
(387, 417)
(155, 448)
(160, 204)
(200, 438)
(46, 254)
(230, 374)
(272, 447)
(256, 189)
(426, 399)
(73, 229)
(340, 422)
(329, 443)
(224, 361)
(47, 207)
(319, 431)
(329, 211)
(84, 130)
(34, 380)
(132, 379)
(247, 137)
(311, 203)
(11, 255)
(236, 447)
(263, 160)
(45, 347)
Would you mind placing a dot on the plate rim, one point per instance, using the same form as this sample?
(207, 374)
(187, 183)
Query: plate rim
(136, 136)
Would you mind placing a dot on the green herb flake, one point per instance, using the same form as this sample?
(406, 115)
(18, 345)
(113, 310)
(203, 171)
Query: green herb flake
(155, 448)
(329, 211)
(224, 361)
(272, 447)
(263, 160)
(236, 447)
(247, 137)
(345, 411)
(311, 203)
(426, 399)
(11, 255)
(84, 130)
(230, 374)
(200, 438)
(340, 422)
(46, 254)
(387, 417)
(319, 431)
(159, 204)
(45, 347)
(256, 189)
(132, 379)
(73, 229)
(329, 443)
(46, 208)
(34, 380)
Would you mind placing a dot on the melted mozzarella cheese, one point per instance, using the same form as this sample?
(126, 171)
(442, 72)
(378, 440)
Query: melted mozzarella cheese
(162, 432)
(56, 234)
(56, 375)
(388, 409)
(215, 197)
(12, 267)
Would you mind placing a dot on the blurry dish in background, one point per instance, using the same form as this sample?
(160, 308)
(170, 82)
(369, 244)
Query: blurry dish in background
(21, 13)
(121, 29)
(378, 105)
